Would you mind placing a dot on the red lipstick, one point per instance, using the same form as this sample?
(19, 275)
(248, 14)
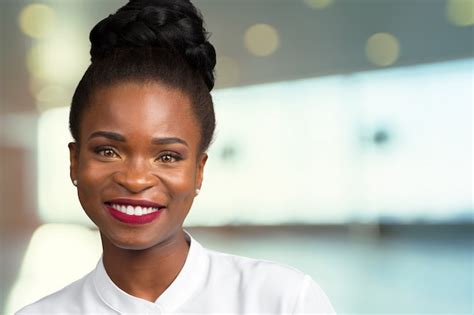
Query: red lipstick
(132, 211)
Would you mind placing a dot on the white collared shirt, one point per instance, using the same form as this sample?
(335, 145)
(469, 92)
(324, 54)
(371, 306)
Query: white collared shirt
(209, 283)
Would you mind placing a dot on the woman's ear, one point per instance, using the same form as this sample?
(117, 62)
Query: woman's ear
(200, 170)
(73, 156)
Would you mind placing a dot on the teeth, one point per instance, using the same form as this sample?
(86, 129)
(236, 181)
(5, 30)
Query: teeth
(131, 210)
(138, 211)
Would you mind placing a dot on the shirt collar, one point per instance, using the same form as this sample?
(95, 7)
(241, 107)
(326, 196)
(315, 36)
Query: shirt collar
(186, 284)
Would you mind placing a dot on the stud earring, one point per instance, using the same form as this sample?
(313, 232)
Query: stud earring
(74, 182)
(197, 191)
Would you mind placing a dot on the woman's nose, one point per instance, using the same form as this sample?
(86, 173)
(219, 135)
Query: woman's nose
(135, 177)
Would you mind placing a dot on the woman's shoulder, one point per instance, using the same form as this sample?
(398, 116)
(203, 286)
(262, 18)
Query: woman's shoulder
(254, 267)
(273, 282)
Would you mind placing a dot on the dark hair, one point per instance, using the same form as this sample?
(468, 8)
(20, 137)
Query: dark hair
(151, 41)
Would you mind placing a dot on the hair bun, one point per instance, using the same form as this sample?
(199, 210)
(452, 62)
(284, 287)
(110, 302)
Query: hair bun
(175, 25)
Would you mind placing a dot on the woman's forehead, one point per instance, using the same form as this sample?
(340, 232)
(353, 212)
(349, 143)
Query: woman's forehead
(143, 109)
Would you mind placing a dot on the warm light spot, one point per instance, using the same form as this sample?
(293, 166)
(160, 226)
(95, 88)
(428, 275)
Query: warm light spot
(227, 71)
(460, 12)
(59, 60)
(52, 96)
(35, 61)
(261, 39)
(318, 4)
(382, 49)
(37, 20)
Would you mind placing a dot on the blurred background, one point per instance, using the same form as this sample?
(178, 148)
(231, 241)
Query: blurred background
(344, 147)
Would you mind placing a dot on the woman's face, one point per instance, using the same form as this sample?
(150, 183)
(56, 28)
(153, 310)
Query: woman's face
(138, 154)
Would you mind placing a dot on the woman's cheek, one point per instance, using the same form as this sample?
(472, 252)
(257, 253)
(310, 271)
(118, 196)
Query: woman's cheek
(179, 184)
(93, 179)
(95, 172)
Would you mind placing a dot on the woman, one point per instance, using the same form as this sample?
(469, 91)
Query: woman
(142, 120)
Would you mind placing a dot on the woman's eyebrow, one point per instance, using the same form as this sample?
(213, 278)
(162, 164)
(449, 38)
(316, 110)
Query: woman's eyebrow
(118, 137)
(168, 140)
(109, 135)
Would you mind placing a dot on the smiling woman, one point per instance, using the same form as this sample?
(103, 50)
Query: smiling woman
(140, 150)
(142, 120)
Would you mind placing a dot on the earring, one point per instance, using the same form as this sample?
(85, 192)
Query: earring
(197, 191)
(74, 182)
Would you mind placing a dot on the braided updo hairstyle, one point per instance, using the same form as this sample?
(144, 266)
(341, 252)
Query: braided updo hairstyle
(151, 41)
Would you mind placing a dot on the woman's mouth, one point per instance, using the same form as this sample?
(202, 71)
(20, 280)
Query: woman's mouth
(133, 211)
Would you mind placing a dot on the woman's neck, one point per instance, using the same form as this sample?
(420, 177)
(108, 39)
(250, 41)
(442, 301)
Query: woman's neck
(145, 273)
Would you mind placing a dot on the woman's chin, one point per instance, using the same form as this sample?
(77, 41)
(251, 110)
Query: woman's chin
(129, 242)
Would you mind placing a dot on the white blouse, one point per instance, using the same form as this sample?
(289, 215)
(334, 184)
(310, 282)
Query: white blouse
(209, 283)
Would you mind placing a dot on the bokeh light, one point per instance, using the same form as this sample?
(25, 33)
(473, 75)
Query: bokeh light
(52, 96)
(318, 4)
(382, 49)
(460, 12)
(35, 61)
(261, 39)
(54, 61)
(227, 71)
(37, 20)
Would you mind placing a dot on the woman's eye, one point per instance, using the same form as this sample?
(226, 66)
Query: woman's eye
(107, 152)
(168, 158)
